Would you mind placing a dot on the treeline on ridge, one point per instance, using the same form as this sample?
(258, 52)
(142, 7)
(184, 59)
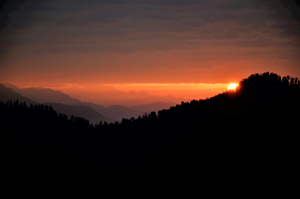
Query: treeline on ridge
(253, 90)
(256, 124)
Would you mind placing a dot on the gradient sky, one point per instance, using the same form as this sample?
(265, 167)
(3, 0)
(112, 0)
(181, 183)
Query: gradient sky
(132, 44)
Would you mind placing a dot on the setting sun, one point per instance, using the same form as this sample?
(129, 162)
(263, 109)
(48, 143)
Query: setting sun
(232, 86)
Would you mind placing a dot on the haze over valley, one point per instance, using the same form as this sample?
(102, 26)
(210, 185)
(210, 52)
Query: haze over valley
(63, 103)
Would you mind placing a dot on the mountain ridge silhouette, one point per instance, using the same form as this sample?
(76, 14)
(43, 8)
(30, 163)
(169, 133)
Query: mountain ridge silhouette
(109, 114)
(233, 140)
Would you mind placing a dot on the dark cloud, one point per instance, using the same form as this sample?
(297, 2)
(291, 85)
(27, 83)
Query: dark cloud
(9, 8)
(73, 26)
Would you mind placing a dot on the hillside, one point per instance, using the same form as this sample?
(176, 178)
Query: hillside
(44, 95)
(9, 94)
(109, 114)
(233, 139)
(75, 110)
(80, 111)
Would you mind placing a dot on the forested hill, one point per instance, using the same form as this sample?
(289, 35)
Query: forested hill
(240, 135)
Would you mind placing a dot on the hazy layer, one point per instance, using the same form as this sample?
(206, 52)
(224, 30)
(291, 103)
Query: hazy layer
(137, 94)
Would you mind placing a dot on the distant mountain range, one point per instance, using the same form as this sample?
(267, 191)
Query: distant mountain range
(9, 94)
(153, 106)
(64, 103)
(44, 95)
(81, 111)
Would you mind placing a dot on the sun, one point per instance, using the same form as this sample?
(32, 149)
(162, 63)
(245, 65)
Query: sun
(232, 86)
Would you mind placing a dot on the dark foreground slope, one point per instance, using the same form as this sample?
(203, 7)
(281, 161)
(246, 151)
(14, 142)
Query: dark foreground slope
(245, 139)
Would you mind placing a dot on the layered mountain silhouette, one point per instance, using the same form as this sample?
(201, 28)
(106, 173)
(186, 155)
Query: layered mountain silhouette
(80, 111)
(63, 103)
(44, 95)
(147, 108)
(236, 140)
(9, 94)
(110, 96)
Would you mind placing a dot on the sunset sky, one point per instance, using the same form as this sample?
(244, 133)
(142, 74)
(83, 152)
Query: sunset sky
(165, 47)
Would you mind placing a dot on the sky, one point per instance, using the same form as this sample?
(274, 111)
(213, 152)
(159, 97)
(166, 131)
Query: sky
(165, 47)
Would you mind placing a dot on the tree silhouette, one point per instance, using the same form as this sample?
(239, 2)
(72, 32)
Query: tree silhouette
(229, 133)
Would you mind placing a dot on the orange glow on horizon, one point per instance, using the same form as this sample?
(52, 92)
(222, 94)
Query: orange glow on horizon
(189, 91)
(185, 90)
(111, 94)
